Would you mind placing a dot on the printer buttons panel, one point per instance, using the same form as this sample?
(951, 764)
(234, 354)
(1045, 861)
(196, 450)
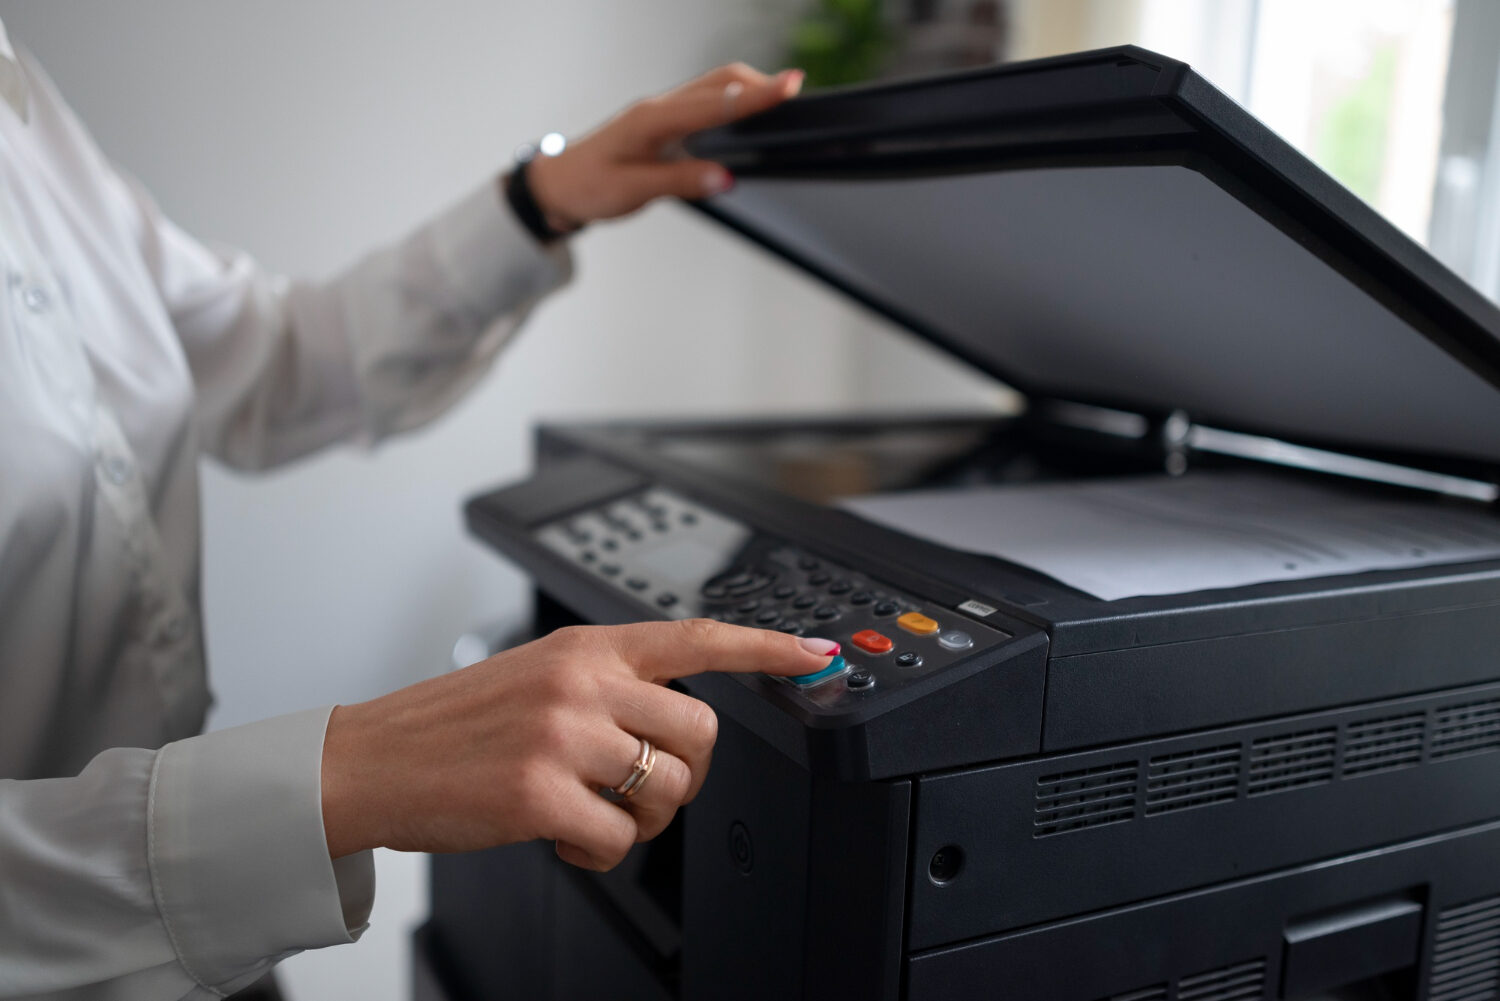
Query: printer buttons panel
(677, 559)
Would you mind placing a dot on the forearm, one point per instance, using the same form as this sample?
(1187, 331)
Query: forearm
(174, 873)
(283, 369)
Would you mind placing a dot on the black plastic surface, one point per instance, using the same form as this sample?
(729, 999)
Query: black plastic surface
(1059, 835)
(1132, 239)
(1351, 944)
(1229, 938)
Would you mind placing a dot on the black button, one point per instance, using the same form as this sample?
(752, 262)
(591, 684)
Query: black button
(610, 544)
(632, 535)
(828, 612)
(840, 587)
(808, 563)
(909, 659)
(820, 578)
(792, 627)
(805, 601)
(768, 616)
(689, 518)
(580, 536)
(735, 578)
(861, 598)
(637, 584)
(784, 591)
(747, 606)
(750, 588)
(715, 591)
(666, 599)
(887, 608)
(860, 679)
(609, 569)
(588, 556)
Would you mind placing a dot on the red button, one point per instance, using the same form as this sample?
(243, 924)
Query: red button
(870, 641)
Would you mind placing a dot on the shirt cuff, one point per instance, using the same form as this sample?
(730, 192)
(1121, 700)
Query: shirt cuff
(489, 258)
(239, 860)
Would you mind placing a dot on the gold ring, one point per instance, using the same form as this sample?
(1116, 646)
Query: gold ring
(639, 772)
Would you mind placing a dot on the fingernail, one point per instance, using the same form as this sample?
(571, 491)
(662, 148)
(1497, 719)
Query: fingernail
(791, 81)
(823, 648)
(718, 181)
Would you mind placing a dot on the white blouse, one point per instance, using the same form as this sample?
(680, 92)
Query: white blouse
(127, 348)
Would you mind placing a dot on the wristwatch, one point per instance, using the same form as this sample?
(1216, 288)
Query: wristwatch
(517, 189)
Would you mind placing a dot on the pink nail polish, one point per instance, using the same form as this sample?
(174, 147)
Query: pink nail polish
(716, 182)
(821, 647)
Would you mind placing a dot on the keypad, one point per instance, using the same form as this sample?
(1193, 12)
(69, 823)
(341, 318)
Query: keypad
(677, 560)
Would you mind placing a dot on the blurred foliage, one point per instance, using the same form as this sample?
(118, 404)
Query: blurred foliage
(1351, 143)
(841, 41)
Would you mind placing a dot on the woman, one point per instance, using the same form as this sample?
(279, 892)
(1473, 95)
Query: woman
(126, 349)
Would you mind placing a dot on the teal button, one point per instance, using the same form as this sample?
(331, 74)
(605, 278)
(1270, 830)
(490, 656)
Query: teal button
(835, 667)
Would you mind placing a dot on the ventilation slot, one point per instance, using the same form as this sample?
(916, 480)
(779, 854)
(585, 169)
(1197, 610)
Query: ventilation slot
(1232, 983)
(1292, 760)
(1089, 797)
(1187, 779)
(1466, 953)
(1154, 993)
(1380, 745)
(1466, 729)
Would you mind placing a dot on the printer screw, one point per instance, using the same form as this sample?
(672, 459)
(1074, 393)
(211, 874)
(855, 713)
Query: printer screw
(741, 852)
(945, 865)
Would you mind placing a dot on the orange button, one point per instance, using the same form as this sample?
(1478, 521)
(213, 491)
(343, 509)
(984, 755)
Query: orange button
(916, 622)
(870, 641)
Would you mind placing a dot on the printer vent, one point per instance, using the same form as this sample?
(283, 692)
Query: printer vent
(1087, 797)
(1466, 729)
(1230, 983)
(1156, 992)
(1380, 745)
(1187, 779)
(1466, 953)
(1292, 760)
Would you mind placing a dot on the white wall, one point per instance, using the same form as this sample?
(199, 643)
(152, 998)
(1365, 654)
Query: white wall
(307, 131)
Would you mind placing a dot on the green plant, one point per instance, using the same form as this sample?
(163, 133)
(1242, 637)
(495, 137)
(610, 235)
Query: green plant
(841, 41)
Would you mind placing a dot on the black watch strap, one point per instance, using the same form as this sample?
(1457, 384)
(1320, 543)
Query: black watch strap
(523, 204)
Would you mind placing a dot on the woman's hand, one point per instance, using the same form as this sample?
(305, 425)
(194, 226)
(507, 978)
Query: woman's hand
(518, 746)
(627, 161)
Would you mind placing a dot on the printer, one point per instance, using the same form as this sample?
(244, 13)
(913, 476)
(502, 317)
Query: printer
(1240, 742)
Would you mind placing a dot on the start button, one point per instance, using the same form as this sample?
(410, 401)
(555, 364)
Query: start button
(916, 622)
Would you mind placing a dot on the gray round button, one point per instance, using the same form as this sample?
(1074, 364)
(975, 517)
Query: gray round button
(955, 639)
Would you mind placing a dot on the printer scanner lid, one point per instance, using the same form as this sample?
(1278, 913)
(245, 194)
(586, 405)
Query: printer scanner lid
(1108, 228)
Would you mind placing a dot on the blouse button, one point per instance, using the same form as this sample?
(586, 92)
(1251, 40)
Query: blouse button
(36, 299)
(116, 469)
(173, 629)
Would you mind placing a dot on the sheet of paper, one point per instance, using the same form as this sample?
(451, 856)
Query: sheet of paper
(1119, 538)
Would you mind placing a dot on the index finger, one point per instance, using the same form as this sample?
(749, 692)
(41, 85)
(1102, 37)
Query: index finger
(689, 109)
(660, 651)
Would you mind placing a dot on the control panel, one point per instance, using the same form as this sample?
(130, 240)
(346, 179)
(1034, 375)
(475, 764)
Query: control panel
(679, 559)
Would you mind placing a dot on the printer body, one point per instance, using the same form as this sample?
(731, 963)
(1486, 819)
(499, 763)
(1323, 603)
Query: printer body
(1286, 788)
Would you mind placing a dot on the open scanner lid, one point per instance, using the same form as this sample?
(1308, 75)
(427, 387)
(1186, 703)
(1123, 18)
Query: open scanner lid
(1108, 228)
